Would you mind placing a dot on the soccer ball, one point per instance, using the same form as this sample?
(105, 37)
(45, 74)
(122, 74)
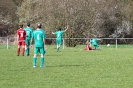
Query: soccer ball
(108, 45)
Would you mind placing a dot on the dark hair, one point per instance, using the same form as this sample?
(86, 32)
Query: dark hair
(59, 29)
(39, 25)
(28, 24)
(21, 25)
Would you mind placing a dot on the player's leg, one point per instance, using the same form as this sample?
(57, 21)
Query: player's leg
(42, 60)
(95, 47)
(87, 46)
(28, 46)
(27, 49)
(90, 48)
(57, 42)
(59, 45)
(34, 60)
(98, 47)
(23, 48)
(35, 56)
(18, 49)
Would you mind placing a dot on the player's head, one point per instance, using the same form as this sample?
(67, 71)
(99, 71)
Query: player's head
(21, 25)
(39, 25)
(59, 29)
(28, 24)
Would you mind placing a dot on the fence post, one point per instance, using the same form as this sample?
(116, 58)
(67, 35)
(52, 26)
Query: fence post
(63, 43)
(116, 43)
(7, 42)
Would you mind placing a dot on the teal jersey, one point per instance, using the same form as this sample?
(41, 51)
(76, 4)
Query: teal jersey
(91, 41)
(94, 41)
(38, 35)
(59, 34)
(28, 32)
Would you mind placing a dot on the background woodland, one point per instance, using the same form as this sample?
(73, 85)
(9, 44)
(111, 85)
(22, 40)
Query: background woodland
(86, 18)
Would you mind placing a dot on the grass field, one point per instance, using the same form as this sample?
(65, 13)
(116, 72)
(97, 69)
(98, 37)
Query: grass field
(69, 68)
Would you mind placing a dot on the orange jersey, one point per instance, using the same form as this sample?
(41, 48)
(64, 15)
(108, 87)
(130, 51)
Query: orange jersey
(21, 34)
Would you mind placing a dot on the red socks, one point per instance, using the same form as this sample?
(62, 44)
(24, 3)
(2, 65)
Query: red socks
(23, 49)
(18, 51)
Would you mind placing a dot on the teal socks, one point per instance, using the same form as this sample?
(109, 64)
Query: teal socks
(42, 62)
(27, 51)
(58, 48)
(34, 61)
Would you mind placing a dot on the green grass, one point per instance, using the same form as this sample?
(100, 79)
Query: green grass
(69, 68)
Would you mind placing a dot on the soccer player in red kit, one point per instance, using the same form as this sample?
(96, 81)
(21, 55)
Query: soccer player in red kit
(21, 34)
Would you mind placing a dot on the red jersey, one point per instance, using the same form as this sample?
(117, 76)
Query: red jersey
(21, 34)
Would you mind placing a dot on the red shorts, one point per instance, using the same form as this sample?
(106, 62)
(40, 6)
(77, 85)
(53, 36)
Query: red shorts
(88, 48)
(21, 43)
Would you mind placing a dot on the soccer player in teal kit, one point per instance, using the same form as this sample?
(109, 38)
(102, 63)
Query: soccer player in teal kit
(94, 42)
(39, 42)
(28, 30)
(59, 34)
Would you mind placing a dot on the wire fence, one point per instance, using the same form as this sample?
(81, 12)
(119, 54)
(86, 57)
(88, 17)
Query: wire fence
(7, 41)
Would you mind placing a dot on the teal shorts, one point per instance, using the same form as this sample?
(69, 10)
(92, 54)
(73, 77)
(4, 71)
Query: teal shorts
(59, 41)
(27, 42)
(39, 50)
(96, 45)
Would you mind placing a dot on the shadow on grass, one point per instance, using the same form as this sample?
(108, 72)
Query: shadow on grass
(65, 66)
(53, 55)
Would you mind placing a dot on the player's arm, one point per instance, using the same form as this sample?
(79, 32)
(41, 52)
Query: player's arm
(31, 33)
(17, 36)
(89, 44)
(31, 40)
(66, 28)
(53, 33)
(25, 34)
(44, 40)
(98, 39)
